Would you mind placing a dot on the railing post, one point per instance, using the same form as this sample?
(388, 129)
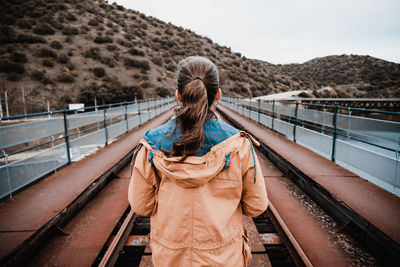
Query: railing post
(250, 109)
(157, 106)
(8, 172)
(273, 113)
(334, 133)
(259, 109)
(66, 136)
(140, 119)
(295, 121)
(126, 117)
(242, 102)
(164, 107)
(148, 109)
(105, 124)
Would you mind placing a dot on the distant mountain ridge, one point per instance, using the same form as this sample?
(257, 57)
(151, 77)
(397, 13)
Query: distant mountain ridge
(78, 51)
(375, 77)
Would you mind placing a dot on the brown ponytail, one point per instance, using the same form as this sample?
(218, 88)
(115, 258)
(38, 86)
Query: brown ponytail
(198, 84)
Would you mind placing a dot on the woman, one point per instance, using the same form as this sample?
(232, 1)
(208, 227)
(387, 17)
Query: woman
(195, 176)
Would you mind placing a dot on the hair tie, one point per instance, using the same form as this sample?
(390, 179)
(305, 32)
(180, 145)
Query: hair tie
(197, 78)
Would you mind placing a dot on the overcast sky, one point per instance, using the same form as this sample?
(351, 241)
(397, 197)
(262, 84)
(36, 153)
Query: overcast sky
(287, 31)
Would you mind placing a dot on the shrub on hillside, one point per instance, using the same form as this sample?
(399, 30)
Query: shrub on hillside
(103, 39)
(41, 77)
(304, 95)
(158, 61)
(111, 47)
(235, 63)
(108, 92)
(162, 91)
(61, 18)
(70, 31)
(108, 61)
(171, 66)
(37, 75)
(123, 43)
(136, 52)
(110, 32)
(99, 72)
(100, 28)
(18, 57)
(14, 77)
(43, 29)
(84, 29)
(30, 39)
(63, 59)
(140, 64)
(48, 63)
(56, 24)
(93, 22)
(7, 19)
(68, 39)
(44, 52)
(7, 35)
(8, 66)
(169, 31)
(70, 17)
(93, 53)
(144, 26)
(24, 24)
(56, 45)
(66, 78)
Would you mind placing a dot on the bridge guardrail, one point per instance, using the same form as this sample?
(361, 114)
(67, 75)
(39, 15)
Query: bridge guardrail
(51, 140)
(367, 146)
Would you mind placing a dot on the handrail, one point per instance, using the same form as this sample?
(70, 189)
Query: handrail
(22, 116)
(75, 137)
(343, 137)
(326, 106)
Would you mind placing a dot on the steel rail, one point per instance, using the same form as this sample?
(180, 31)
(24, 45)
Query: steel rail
(112, 253)
(300, 254)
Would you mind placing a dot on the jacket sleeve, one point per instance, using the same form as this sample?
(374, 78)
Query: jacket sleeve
(254, 195)
(143, 187)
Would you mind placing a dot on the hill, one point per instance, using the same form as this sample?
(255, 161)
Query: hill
(372, 77)
(76, 51)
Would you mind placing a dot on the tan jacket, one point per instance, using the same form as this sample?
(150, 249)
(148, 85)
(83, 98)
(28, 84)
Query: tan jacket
(196, 206)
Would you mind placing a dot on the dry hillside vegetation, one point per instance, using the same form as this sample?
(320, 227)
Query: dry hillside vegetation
(75, 51)
(364, 76)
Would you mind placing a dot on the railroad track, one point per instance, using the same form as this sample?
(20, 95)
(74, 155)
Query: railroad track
(284, 235)
(271, 239)
(271, 242)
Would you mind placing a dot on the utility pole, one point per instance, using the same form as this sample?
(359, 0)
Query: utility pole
(48, 108)
(5, 96)
(1, 108)
(23, 97)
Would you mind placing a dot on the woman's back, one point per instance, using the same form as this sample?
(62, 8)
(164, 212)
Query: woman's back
(196, 201)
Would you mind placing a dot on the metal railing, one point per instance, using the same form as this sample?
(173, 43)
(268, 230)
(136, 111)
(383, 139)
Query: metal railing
(35, 145)
(369, 147)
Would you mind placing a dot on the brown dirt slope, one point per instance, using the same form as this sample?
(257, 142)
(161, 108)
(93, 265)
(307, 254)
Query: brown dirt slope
(75, 51)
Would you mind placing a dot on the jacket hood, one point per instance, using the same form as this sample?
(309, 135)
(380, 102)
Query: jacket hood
(195, 171)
